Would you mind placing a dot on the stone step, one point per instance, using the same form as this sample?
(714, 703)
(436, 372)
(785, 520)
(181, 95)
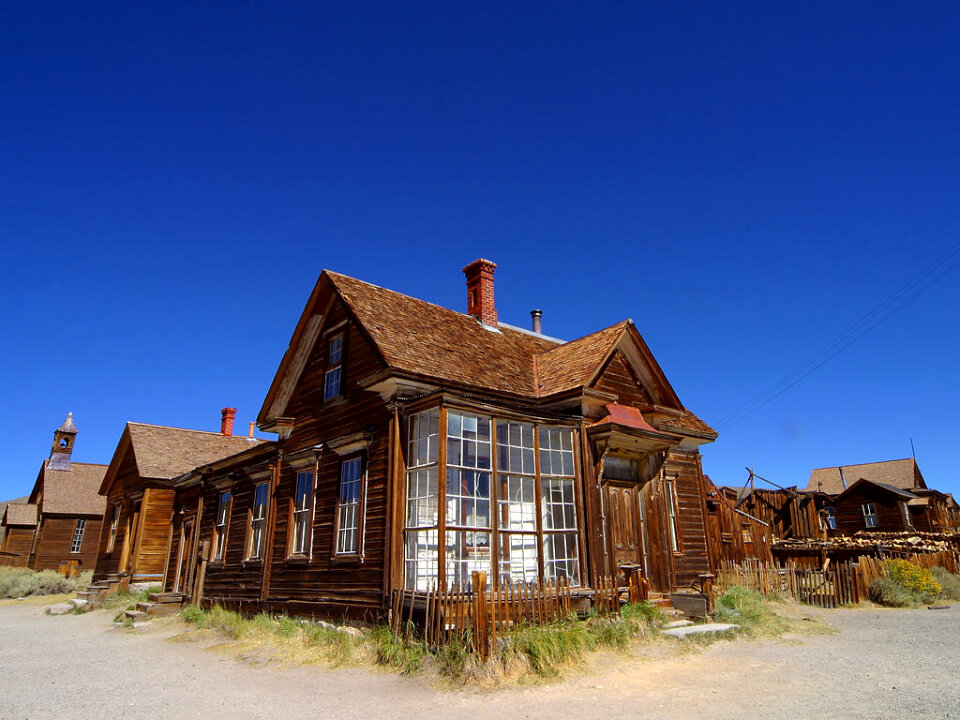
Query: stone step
(89, 595)
(705, 629)
(678, 624)
(59, 609)
(78, 602)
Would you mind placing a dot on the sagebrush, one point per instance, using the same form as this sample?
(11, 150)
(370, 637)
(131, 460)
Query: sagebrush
(23, 582)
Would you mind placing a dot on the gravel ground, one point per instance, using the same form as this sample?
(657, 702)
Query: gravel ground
(880, 664)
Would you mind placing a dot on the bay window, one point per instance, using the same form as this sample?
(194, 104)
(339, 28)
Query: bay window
(498, 511)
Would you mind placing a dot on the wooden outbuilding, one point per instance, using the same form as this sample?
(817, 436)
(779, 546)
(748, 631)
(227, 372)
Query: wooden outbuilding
(20, 525)
(138, 486)
(69, 507)
(417, 444)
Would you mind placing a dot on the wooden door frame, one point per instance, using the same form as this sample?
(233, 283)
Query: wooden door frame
(183, 551)
(637, 488)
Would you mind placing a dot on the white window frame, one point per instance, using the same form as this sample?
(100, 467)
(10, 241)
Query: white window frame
(831, 518)
(302, 514)
(333, 367)
(77, 542)
(350, 511)
(672, 521)
(870, 519)
(222, 524)
(258, 517)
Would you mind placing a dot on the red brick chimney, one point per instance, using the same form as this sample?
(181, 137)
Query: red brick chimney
(480, 291)
(226, 421)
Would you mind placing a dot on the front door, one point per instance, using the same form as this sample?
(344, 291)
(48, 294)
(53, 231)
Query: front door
(624, 526)
(184, 565)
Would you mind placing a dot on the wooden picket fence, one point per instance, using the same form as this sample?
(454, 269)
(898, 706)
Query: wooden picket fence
(845, 583)
(479, 616)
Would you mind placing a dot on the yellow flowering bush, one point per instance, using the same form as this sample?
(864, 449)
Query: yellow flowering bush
(914, 578)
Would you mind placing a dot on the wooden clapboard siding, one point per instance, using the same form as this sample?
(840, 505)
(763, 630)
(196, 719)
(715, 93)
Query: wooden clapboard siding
(54, 539)
(18, 540)
(849, 509)
(789, 514)
(127, 481)
(150, 554)
(618, 379)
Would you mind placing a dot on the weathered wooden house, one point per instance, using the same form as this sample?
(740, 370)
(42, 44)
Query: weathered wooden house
(69, 508)
(792, 514)
(895, 497)
(20, 525)
(418, 444)
(138, 486)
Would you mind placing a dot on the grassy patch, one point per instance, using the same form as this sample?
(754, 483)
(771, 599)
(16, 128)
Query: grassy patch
(909, 585)
(748, 609)
(949, 583)
(23, 582)
(526, 651)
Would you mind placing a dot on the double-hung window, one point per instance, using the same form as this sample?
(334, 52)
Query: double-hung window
(467, 496)
(220, 530)
(517, 509)
(258, 514)
(77, 540)
(114, 523)
(869, 515)
(333, 374)
(302, 511)
(421, 544)
(557, 505)
(350, 507)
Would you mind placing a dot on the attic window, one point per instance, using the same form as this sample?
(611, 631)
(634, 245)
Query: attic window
(64, 442)
(333, 374)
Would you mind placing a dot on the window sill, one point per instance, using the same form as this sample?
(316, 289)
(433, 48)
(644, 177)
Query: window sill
(345, 559)
(215, 564)
(297, 560)
(253, 563)
(335, 400)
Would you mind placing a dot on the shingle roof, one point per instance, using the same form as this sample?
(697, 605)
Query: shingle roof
(572, 364)
(898, 473)
(167, 452)
(73, 492)
(20, 514)
(435, 342)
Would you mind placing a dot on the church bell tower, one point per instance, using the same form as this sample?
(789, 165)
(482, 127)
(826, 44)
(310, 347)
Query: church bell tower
(62, 450)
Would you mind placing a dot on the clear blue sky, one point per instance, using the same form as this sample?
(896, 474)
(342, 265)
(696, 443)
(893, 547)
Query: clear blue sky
(744, 180)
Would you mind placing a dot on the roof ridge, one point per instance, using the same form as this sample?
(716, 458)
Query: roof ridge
(206, 432)
(875, 462)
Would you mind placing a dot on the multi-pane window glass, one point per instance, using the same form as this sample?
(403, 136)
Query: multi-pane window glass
(869, 515)
(332, 376)
(78, 536)
(831, 518)
(468, 470)
(114, 523)
(223, 514)
(258, 514)
(348, 519)
(302, 506)
(517, 503)
(421, 546)
(471, 540)
(557, 505)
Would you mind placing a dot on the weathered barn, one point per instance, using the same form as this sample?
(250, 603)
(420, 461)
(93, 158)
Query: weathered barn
(418, 444)
(138, 486)
(20, 525)
(69, 508)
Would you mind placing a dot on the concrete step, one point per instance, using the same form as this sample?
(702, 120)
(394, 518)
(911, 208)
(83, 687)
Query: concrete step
(705, 629)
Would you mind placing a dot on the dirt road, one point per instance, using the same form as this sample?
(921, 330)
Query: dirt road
(881, 664)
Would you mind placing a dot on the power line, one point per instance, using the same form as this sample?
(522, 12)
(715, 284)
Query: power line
(930, 275)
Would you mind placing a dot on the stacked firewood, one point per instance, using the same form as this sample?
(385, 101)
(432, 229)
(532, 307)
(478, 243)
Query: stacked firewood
(890, 541)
